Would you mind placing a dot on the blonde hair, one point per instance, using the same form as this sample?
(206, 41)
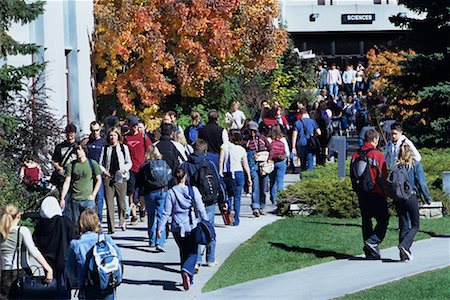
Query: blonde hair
(235, 103)
(114, 130)
(180, 138)
(153, 153)
(9, 213)
(195, 116)
(405, 156)
(88, 221)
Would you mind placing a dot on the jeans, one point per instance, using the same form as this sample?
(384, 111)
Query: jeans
(239, 177)
(259, 189)
(154, 204)
(78, 206)
(408, 212)
(277, 180)
(306, 158)
(333, 89)
(188, 252)
(68, 208)
(373, 206)
(211, 247)
(100, 199)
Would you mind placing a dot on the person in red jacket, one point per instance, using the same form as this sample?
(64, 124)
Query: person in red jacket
(373, 204)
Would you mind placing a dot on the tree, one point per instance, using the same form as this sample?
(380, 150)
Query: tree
(427, 72)
(146, 49)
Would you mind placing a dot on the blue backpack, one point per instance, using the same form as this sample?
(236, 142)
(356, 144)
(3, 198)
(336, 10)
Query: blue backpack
(192, 133)
(104, 268)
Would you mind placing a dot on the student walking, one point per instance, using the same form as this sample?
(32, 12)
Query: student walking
(393, 145)
(408, 209)
(12, 237)
(115, 163)
(279, 154)
(179, 205)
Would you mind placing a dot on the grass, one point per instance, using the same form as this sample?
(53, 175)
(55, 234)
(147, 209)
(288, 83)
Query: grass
(429, 285)
(294, 243)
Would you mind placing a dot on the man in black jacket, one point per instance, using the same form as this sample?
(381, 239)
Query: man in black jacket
(214, 135)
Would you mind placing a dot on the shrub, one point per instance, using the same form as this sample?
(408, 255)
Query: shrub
(334, 197)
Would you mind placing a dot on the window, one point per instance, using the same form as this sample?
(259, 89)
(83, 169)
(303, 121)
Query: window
(320, 2)
(376, 1)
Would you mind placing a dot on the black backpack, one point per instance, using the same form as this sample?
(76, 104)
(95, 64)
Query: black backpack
(360, 176)
(205, 179)
(157, 174)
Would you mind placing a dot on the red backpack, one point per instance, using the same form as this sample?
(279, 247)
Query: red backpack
(276, 151)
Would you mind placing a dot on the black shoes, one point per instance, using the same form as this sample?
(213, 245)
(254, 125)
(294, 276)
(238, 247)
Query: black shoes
(372, 251)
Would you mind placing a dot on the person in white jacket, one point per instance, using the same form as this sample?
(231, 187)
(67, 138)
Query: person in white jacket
(393, 146)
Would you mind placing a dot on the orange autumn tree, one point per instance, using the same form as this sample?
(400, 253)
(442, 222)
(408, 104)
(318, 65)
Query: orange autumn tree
(146, 49)
(383, 65)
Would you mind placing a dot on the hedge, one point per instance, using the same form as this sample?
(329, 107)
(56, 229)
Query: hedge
(329, 196)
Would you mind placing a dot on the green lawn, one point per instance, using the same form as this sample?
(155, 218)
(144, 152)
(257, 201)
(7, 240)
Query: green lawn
(429, 285)
(294, 243)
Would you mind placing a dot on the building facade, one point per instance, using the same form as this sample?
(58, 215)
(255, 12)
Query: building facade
(64, 32)
(341, 31)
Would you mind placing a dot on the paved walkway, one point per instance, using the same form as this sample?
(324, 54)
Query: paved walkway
(148, 274)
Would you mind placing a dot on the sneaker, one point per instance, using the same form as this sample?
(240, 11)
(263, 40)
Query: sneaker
(142, 215)
(124, 226)
(256, 212)
(232, 214)
(212, 264)
(160, 248)
(372, 250)
(186, 280)
(262, 212)
(134, 221)
(405, 255)
(197, 269)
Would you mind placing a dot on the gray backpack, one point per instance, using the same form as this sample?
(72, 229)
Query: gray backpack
(398, 185)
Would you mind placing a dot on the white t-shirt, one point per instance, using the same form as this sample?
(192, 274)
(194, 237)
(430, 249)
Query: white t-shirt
(235, 120)
(232, 157)
(334, 76)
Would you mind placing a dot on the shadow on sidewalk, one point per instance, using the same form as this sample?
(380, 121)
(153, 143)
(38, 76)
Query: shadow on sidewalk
(166, 285)
(316, 252)
(150, 264)
(435, 235)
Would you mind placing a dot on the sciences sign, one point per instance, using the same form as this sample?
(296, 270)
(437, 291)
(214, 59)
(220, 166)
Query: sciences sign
(357, 18)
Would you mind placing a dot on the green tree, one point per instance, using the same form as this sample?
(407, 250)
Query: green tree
(12, 77)
(427, 72)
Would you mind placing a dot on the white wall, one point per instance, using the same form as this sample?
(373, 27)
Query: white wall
(295, 15)
(66, 24)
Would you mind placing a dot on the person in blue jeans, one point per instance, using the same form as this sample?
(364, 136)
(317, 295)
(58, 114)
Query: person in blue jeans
(232, 164)
(408, 210)
(255, 146)
(76, 264)
(179, 205)
(303, 130)
(279, 153)
(153, 179)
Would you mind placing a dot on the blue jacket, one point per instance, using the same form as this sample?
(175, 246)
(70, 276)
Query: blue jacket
(416, 177)
(76, 257)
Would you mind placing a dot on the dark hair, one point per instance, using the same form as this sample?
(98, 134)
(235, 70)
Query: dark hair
(213, 116)
(201, 146)
(397, 126)
(275, 132)
(166, 129)
(235, 136)
(111, 110)
(371, 135)
(71, 128)
(179, 174)
(93, 123)
(303, 111)
(171, 113)
(83, 146)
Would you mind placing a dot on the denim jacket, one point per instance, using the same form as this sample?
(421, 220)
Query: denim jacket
(417, 179)
(76, 257)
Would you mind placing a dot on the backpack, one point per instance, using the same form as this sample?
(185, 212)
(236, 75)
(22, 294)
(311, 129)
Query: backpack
(192, 133)
(103, 267)
(170, 153)
(276, 152)
(205, 179)
(398, 185)
(157, 174)
(360, 176)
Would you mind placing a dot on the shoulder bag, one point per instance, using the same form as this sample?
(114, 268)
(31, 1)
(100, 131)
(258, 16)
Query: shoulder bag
(204, 232)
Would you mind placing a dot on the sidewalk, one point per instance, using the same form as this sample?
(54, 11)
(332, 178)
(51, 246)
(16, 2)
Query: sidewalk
(156, 275)
(341, 277)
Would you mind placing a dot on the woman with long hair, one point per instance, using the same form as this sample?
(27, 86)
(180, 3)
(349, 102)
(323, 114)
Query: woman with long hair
(115, 162)
(76, 263)
(13, 263)
(279, 153)
(410, 207)
(153, 192)
(179, 204)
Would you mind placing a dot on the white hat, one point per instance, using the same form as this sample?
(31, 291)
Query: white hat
(50, 208)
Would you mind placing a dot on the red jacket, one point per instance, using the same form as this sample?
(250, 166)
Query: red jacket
(379, 158)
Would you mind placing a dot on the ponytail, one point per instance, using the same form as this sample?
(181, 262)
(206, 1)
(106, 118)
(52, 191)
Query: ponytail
(10, 212)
